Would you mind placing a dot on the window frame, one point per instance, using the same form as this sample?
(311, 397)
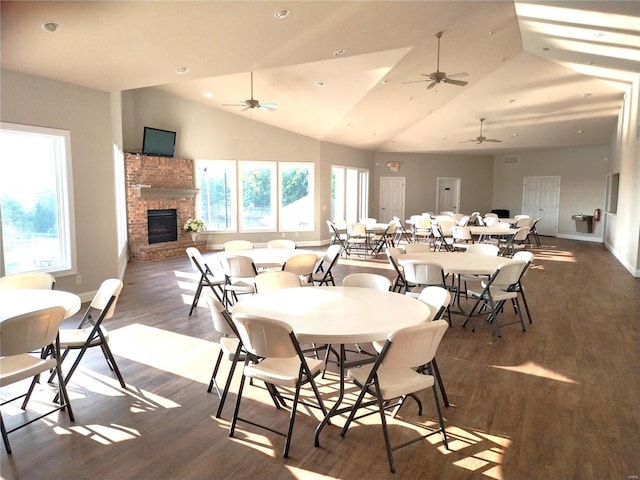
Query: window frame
(310, 215)
(64, 199)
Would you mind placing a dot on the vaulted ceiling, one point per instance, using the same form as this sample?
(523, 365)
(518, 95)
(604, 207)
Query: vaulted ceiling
(542, 74)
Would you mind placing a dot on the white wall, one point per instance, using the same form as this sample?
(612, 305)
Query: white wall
(86, 113)
(582, 172)
(421, 172)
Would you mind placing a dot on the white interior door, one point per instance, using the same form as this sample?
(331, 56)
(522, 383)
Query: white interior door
(448, 195)
(391, 198)
(541, 198)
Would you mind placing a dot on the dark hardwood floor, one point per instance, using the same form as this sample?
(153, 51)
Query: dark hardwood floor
(560, 401)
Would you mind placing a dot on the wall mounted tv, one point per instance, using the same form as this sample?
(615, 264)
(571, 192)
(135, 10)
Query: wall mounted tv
(158, 142)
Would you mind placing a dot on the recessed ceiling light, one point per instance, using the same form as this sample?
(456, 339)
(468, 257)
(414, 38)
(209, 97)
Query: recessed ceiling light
(320, 84)
(515, 134)
(182, 70)
(511, 100)
(281, 13)
(51, 27)
(585, 95)
(491, 32)
(384, 82)
(444, 138)
(339, 53)
(208, 94)
(579, 131)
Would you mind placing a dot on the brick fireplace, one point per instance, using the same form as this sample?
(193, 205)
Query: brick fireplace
(159, 184)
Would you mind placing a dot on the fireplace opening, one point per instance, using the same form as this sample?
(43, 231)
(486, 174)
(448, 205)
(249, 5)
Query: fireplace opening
(162, 225)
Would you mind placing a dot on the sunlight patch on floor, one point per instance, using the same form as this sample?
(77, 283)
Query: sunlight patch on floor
(189, 357)
(531, 368)
(105, 434)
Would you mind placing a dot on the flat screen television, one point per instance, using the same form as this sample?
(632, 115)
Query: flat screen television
(158, 142)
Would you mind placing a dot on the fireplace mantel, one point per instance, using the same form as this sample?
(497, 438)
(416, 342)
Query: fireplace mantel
(150, 192)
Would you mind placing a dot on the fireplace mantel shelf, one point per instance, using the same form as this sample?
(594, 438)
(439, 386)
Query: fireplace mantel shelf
(147, 192)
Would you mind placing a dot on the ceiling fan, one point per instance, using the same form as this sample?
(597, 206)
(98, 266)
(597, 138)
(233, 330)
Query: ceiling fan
(252, 103)
(441, 77)
(481, 139)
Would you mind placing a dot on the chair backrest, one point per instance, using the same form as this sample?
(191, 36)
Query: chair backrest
(445, 227)
(417, 248)
(238, 266)
(264, 337)
(357, 229)
(518, 217)
(508, 274)
(368, 222)
(367, 280)
(282, 243)
(524, 222)
(438, 298)
(236, 245)
(35, 280)
(30, 331)
(222, 322)
(424, 273)
(447, 213)
(413, 346)
(503, 225)
(521, 234)
(332, 253)
(490, 215)
(463, 221)
(197, 262)
(109, 288)
(483, 248)
(461, 233)
(302, 264)
(422, 222)
(276, 280)
(490, 221)
(524, 256)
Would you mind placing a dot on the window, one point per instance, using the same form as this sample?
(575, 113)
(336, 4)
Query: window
(296, 197)
(250, 196)
(257, 196)
(217, 201)
(36, 200)
(349, 193)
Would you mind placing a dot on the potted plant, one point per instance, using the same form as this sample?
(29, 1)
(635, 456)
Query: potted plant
(194, 226)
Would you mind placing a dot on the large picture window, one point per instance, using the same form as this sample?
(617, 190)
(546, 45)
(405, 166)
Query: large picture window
(36, 200)
(216, 180)
(255, 196)
(349, 193)
(296, 197)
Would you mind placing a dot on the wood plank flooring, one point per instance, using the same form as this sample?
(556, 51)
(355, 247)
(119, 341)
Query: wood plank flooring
(560, 401)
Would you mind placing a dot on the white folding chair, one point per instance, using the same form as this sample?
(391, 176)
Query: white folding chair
(398, 373)
(37, 280)
(281, 363)
(323, 274)
(212, 278)
(19, 336)
(367, 280)
(276, 280)
(91, 332)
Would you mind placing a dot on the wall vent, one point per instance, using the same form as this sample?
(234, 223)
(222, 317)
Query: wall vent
(510, 160)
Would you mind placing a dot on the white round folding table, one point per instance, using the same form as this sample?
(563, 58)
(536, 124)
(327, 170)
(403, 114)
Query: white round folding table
(19, 301)
(268, 257)
(337, 315)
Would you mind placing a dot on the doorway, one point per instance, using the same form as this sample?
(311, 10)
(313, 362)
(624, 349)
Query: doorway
(391, 198)
(448, 199)
(541, 199)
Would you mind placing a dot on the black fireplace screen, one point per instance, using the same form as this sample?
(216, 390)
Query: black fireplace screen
(163, 225)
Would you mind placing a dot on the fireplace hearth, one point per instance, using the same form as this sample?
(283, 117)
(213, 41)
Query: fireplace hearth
(162, 225)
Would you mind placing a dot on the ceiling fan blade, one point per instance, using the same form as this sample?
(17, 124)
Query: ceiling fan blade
(432, 84)
(460, 83)
(268, 106)
(492, 140)
(417, 81)
(234, 104)
(460, 74)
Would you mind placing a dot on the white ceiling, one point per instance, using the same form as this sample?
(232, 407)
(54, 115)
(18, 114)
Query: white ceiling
(539, 72)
